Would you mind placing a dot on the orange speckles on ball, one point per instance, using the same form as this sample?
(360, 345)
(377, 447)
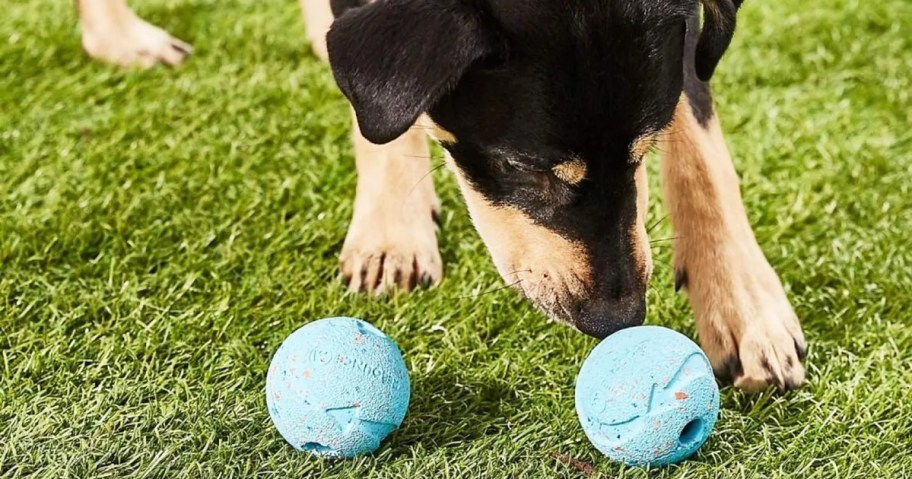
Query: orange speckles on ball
(680, 396)
(306, 374)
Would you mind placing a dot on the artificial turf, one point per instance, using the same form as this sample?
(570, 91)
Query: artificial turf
(162, 231)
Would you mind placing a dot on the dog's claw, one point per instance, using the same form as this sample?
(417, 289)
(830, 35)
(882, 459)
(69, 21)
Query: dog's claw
(801, 349)
(680, 279)
(381, 269)
(730, 369)
(181, 47)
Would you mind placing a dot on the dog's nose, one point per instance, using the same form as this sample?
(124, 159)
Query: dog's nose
(602, 317)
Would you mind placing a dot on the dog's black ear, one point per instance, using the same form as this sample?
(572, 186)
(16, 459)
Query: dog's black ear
(719, 20)
(394, 59)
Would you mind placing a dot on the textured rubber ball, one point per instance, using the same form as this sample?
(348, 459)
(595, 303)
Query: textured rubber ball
(337, 387)
(647, 396)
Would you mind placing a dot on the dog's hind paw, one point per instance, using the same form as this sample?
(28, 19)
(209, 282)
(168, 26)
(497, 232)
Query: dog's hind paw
(127, 40)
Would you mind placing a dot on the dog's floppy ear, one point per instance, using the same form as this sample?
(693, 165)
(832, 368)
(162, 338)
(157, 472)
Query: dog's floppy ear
(719, 19)
(394, 59)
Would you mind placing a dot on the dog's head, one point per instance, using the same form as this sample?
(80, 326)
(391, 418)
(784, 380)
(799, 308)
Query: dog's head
(547, 109)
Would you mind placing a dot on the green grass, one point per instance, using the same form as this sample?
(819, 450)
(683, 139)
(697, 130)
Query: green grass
(161, 232)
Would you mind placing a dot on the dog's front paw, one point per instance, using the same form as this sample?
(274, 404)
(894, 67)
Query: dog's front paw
(748, 327)
(128, 40)
(383, 253)
(770, 353)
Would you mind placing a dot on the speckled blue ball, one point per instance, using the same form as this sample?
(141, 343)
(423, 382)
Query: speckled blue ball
(647, 396)
(337, 387)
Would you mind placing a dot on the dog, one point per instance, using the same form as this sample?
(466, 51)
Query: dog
(547, 110)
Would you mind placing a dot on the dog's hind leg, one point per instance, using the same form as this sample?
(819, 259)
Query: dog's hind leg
(392, 238)
(111, 32)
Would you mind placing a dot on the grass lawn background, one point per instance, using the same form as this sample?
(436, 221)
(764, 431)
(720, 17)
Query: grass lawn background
(161, 232)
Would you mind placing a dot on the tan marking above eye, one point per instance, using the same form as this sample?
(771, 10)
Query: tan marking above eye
(572, 171)
(642, 145)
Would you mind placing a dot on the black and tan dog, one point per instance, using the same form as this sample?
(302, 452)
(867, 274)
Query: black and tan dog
(547, 109)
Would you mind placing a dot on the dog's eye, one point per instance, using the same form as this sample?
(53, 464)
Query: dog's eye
(524, 164)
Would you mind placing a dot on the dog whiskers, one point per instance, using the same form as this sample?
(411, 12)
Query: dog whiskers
(495, 290)
(662, 239)
(656, 224)
(429, 173)
(520, 271)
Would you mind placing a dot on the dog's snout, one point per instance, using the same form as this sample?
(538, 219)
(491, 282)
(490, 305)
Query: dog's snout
(603, 316)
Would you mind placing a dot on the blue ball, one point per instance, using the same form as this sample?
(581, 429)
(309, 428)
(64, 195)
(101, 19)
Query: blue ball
(647, 396)
(337, 387)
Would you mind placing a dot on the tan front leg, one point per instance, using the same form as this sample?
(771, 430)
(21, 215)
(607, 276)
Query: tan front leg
(111, 32)
(745, 322)
(392, 239)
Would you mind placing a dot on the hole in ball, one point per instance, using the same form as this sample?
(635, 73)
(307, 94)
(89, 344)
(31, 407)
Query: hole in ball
(691, 432)
(317, 448)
